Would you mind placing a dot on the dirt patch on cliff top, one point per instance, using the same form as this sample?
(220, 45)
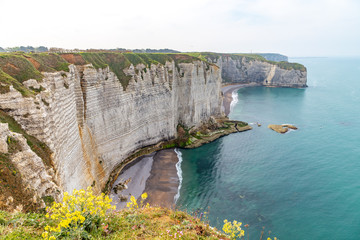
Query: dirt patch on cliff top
(34, 62)
(73, 58)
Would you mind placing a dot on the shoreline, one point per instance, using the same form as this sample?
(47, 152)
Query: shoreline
(228, 90)
(160, 179)
(163, 183)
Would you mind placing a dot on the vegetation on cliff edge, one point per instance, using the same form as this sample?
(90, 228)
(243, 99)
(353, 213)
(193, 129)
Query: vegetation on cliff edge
(13, 191)
(18, 67)
(83, 215)
(40, 148)
(117, 62)
(15, 68)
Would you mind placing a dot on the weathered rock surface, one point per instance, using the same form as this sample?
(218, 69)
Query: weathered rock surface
(238, 69)
(34, 174)
(91, 124)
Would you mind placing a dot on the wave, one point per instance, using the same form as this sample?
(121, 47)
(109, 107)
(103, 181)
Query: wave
(179, 173)
(235, 100)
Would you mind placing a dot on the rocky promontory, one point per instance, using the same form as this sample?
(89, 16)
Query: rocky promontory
(253, 68)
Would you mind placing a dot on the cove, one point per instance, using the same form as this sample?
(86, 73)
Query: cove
(300, 185)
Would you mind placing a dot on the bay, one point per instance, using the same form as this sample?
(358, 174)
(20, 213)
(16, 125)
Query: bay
(300, 185)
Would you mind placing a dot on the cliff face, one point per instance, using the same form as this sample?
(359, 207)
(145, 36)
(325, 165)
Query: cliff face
(243, 70)
(69, 120)
(252, 68)
(91, 123)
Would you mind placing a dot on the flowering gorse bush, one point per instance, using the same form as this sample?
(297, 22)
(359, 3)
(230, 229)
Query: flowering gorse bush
(132, 205)
(233, 230)
(77, 215)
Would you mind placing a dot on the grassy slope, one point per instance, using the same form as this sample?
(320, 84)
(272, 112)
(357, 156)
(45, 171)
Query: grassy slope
(18, 67)
(15, 68)
(145, 223)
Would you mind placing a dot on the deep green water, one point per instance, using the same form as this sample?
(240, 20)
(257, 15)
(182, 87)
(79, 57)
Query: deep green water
(304, 184)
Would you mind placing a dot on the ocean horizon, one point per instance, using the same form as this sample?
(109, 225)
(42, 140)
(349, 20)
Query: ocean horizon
(300, 185)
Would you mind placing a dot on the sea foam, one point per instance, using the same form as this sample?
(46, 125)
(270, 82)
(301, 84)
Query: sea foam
(235, 100)
(179, 172)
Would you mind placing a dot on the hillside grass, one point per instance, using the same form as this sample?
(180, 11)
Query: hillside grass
(49, 62)
(15, 68)
(142, 223)
(6, 81)
(18, 67)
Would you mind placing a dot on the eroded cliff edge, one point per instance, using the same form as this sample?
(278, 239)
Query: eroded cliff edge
(73, 118)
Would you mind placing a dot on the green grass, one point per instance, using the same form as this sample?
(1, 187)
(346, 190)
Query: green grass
(144, 223)
(290, 66)
(50, 62)
(117, 62)
(18, 67)
(40, 148)
(8, 80)
(205, 56)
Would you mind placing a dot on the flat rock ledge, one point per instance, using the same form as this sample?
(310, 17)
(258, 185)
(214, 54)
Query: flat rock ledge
(282, 128)
(226, 127)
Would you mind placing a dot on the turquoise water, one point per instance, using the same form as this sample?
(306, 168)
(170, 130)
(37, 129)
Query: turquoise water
(304, 184)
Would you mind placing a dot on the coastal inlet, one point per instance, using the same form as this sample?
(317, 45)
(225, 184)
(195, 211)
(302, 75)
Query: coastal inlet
(159, 173)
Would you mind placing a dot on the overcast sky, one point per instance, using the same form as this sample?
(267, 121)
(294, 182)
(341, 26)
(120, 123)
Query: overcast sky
(291, 27)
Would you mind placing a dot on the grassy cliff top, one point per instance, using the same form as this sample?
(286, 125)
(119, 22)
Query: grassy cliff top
(16, 68)
(213, 57)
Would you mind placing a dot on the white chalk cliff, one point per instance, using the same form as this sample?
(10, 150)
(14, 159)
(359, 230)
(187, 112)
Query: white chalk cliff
(239, 69)
(91, 123)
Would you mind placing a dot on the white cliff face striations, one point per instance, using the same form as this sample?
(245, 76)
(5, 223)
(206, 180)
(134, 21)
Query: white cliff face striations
(238, 69)
(91, 124)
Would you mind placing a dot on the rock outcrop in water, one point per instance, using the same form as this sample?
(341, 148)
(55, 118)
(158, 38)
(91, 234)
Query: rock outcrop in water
(77, 117)
(282, 128)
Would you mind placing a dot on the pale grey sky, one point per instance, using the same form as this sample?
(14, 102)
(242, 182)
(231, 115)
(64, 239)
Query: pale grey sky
(291, 27)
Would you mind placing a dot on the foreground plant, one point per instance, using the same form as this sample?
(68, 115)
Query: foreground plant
(78, 215)
(132, 205)
(233, 229)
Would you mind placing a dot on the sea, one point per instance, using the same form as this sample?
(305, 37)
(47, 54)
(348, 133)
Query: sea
(304, 184)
